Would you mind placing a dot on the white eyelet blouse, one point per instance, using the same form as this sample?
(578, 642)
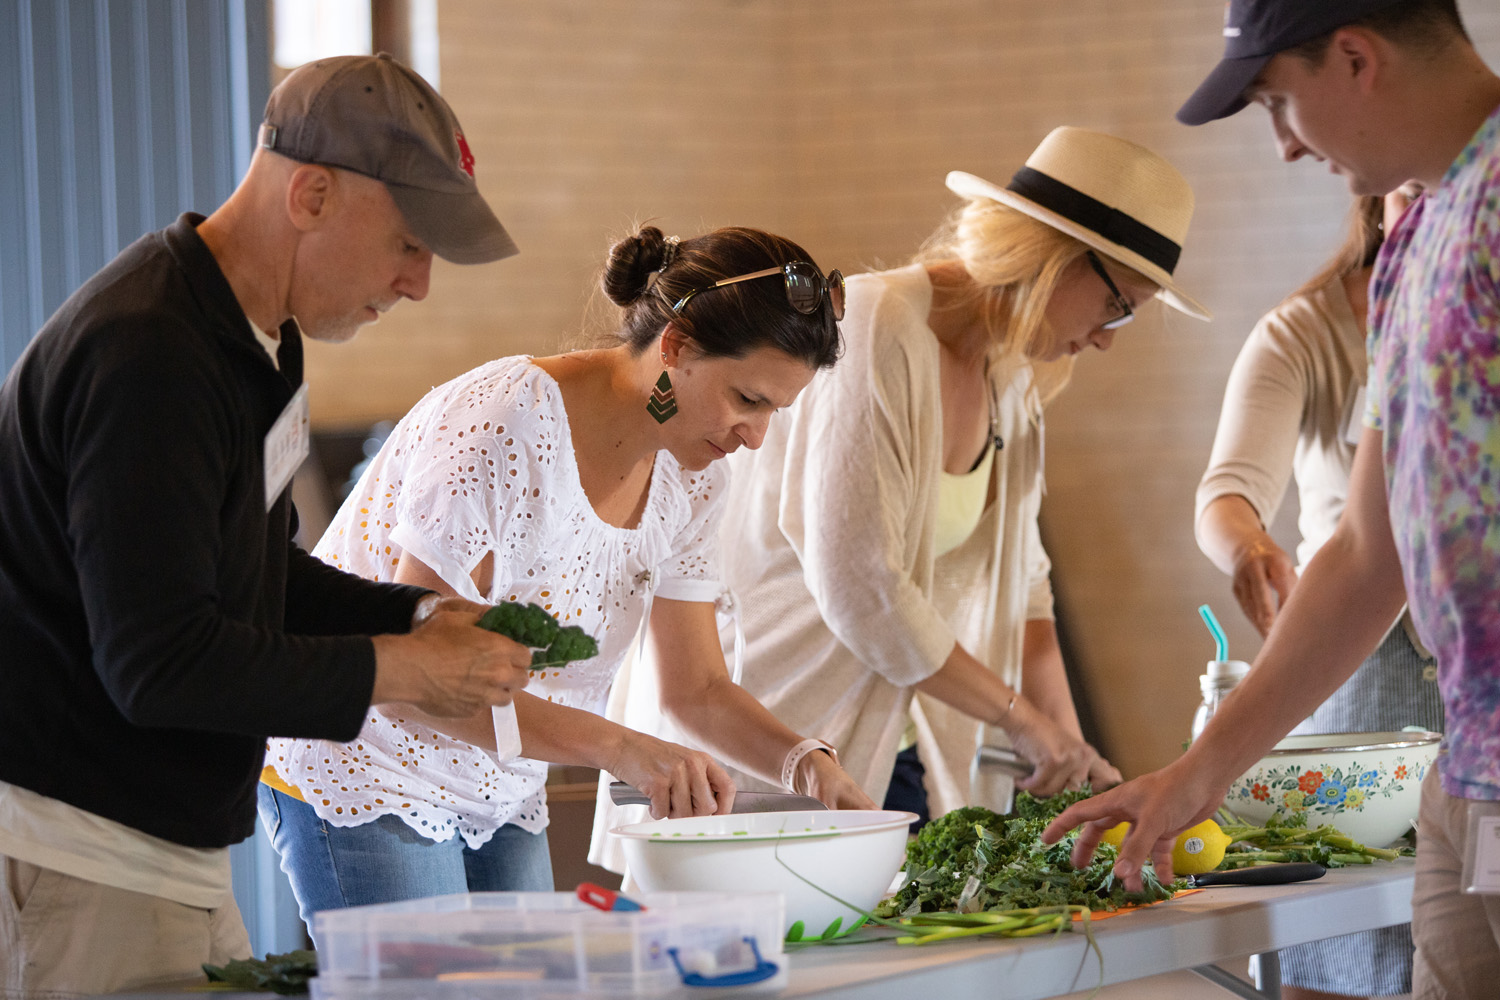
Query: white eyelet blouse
(483, 464)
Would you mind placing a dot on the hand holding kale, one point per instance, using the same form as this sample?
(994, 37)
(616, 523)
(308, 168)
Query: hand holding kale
(532, 625)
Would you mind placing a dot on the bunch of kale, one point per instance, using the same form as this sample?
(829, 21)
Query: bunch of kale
(533, 625)
(973, 859)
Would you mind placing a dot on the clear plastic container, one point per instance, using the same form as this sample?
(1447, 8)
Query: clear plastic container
(550, 944)
(1219, 679)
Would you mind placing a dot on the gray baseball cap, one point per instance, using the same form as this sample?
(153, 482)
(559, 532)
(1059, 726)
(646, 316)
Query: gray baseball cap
(374, 116)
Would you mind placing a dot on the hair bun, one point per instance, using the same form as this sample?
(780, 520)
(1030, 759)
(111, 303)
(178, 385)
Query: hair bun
(632, 262)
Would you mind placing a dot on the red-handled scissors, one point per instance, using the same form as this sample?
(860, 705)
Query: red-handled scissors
(605, 899)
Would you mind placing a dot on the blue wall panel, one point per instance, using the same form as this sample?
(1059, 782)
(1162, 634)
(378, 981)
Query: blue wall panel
(124, 113)
(15, 316)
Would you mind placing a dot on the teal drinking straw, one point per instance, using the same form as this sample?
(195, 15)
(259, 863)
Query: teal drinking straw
(1213, 626)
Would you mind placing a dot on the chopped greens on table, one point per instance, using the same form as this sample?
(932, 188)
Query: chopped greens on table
(1290, 839)
(974, 860)
(533, 625)
(974, 872)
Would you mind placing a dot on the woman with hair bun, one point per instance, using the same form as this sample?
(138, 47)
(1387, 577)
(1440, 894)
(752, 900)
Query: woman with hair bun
(588, 483)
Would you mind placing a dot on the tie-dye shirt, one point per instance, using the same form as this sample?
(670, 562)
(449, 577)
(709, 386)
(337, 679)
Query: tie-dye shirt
(1435, 393)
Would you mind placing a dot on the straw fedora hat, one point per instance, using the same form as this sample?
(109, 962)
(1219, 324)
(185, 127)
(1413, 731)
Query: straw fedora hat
(1113, 195)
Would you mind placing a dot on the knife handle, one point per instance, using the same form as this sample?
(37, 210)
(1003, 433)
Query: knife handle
(622, 794)
(1277, 874)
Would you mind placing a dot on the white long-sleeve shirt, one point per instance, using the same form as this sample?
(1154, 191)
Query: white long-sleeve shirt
(1294, 406)
(1291, 405)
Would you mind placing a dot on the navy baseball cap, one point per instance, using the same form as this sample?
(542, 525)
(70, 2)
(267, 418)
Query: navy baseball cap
(1254, 31)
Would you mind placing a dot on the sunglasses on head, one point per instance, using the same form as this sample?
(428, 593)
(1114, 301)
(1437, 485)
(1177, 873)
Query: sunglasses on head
(805, 288)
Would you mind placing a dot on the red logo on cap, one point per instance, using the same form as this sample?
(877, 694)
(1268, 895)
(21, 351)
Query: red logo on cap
(465, 158)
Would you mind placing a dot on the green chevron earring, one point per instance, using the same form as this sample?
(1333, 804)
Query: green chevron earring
(663, 402)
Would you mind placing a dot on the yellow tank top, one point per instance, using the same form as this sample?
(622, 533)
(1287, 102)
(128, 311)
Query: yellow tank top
(961, 500)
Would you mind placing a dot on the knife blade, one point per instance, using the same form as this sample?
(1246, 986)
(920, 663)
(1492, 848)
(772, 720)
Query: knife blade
(622, 794)
(992, 776)
(1002, 759)
(1274, 874)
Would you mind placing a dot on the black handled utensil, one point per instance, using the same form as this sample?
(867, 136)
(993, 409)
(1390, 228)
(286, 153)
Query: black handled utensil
(622, 794)
(1274, 874)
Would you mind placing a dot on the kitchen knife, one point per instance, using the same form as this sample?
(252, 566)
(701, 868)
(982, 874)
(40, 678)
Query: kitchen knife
(1004, 760)
(1274, 874)
(622, 794)
(992, 776)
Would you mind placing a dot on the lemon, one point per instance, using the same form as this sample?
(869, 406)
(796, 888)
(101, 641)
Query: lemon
(1116, 834)
(1198, 849)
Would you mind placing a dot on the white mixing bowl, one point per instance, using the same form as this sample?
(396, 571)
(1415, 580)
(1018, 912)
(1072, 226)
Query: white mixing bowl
(853, 854)
(1368, 785)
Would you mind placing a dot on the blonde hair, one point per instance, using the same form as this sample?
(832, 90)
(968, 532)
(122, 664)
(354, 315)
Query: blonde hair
(1015, 262)
(1363, 234)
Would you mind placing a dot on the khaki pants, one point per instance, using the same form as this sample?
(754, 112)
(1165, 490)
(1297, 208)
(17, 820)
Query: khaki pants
(1457, 935)
(62, 936)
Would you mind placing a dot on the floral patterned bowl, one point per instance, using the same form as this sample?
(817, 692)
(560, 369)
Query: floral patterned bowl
(1365, 784)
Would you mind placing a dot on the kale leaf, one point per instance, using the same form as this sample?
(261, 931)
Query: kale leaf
(285, 974)
(572, 643)
(532, 625)
(528, 624)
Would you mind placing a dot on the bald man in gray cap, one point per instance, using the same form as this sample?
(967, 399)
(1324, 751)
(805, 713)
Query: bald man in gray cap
(157, 620)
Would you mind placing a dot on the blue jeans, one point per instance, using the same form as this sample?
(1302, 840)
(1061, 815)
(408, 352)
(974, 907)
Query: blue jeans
(386, 861)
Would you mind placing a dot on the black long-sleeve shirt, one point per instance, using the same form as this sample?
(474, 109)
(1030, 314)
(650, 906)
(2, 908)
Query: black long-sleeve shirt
(156, 621)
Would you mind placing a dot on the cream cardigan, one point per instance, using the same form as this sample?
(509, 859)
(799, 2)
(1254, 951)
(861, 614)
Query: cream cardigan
(1294, 407)
(1291, 400)
(828, 548)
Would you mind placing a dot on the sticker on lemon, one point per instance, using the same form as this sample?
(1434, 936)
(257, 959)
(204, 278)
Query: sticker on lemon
(1198, 849)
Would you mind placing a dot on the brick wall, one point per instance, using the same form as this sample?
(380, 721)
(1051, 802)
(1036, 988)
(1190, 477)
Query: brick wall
(834, 122)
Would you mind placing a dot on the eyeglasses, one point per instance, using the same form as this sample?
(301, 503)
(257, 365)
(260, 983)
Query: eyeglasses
(1126, 313)
(805, 288)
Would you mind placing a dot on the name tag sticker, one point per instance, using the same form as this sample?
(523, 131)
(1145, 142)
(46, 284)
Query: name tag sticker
(1482, 857)
(287, 445)
(1354, 420)
(507, 732)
